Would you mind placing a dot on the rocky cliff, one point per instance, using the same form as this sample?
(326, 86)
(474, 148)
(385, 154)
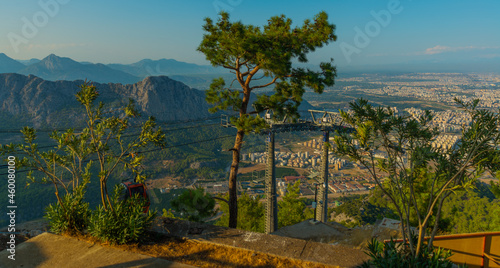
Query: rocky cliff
(45, 102)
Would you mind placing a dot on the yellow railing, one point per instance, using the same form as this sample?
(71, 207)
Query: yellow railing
(475, 249)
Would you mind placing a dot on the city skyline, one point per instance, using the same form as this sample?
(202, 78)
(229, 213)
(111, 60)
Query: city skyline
(371, 34)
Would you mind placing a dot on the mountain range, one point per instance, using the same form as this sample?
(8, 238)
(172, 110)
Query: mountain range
(55, 68)
(169, 67)
(42, 102)
(43, 93)
(30, 100)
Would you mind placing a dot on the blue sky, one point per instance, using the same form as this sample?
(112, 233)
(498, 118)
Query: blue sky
(108, 31)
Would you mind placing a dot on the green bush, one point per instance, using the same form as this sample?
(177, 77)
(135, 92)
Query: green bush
(194, 205)
(72, 216)
(392, 254)
(125, 223)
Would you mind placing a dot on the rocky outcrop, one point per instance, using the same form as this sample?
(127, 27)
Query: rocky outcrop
(166, 99)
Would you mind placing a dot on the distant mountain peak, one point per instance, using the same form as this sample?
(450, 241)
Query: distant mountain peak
(54, 62)
(54, 68)
(54, 57)
(9, 65)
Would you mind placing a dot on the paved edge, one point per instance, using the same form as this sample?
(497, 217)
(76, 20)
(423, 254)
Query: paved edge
(334, 255)
(50, 250)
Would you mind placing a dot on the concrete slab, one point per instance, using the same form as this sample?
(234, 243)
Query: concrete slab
(311, 230)
(49, 250)
(335, 255)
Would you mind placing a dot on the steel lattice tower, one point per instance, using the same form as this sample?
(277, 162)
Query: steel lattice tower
(271, 203)
(326, 122)
(322, 207)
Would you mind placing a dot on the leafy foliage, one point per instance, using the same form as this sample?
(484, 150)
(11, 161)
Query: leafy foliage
(72, 215)
(251, 213)
(392, 254)
(361, 209)
(247, 49)
(194, 205)
(495, 186)
(471, 211)
(418, 177)
(291, 208)
(468, 212)
(125, 223)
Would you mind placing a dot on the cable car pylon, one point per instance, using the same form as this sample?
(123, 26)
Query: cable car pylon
(324, 121)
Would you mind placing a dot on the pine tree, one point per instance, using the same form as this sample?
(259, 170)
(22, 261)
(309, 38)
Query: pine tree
(252, 53)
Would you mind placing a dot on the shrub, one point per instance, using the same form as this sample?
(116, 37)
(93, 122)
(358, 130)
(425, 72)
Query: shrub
(125, 223)
(70, 216)
(194, 205)
(392, 254)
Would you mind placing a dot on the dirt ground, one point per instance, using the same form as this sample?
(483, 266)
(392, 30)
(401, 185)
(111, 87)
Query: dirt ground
(259, 167)
(163, 182)
(256, 167)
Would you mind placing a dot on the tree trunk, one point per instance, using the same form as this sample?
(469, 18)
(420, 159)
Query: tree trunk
(233, 191)
(110, 205)
(103, 196)
(59, 200)
(436, 223)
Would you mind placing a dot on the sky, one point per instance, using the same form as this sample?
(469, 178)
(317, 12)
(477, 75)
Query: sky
(370, 32)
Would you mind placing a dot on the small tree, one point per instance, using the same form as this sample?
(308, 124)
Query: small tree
(416, 176)
(75, 154)
(105, 139)
(291, 208)
(251, 213)
(252, 53)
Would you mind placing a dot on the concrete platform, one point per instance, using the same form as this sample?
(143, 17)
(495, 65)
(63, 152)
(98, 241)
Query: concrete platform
(49, 250)
(334, 255)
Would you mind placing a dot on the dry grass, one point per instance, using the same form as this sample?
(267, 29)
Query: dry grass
(205, 254)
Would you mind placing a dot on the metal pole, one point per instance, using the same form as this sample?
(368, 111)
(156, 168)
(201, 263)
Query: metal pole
(271, 202)
(314, 204)
(323, 189)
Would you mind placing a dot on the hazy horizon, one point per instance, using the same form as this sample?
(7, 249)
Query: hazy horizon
(391, 34)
